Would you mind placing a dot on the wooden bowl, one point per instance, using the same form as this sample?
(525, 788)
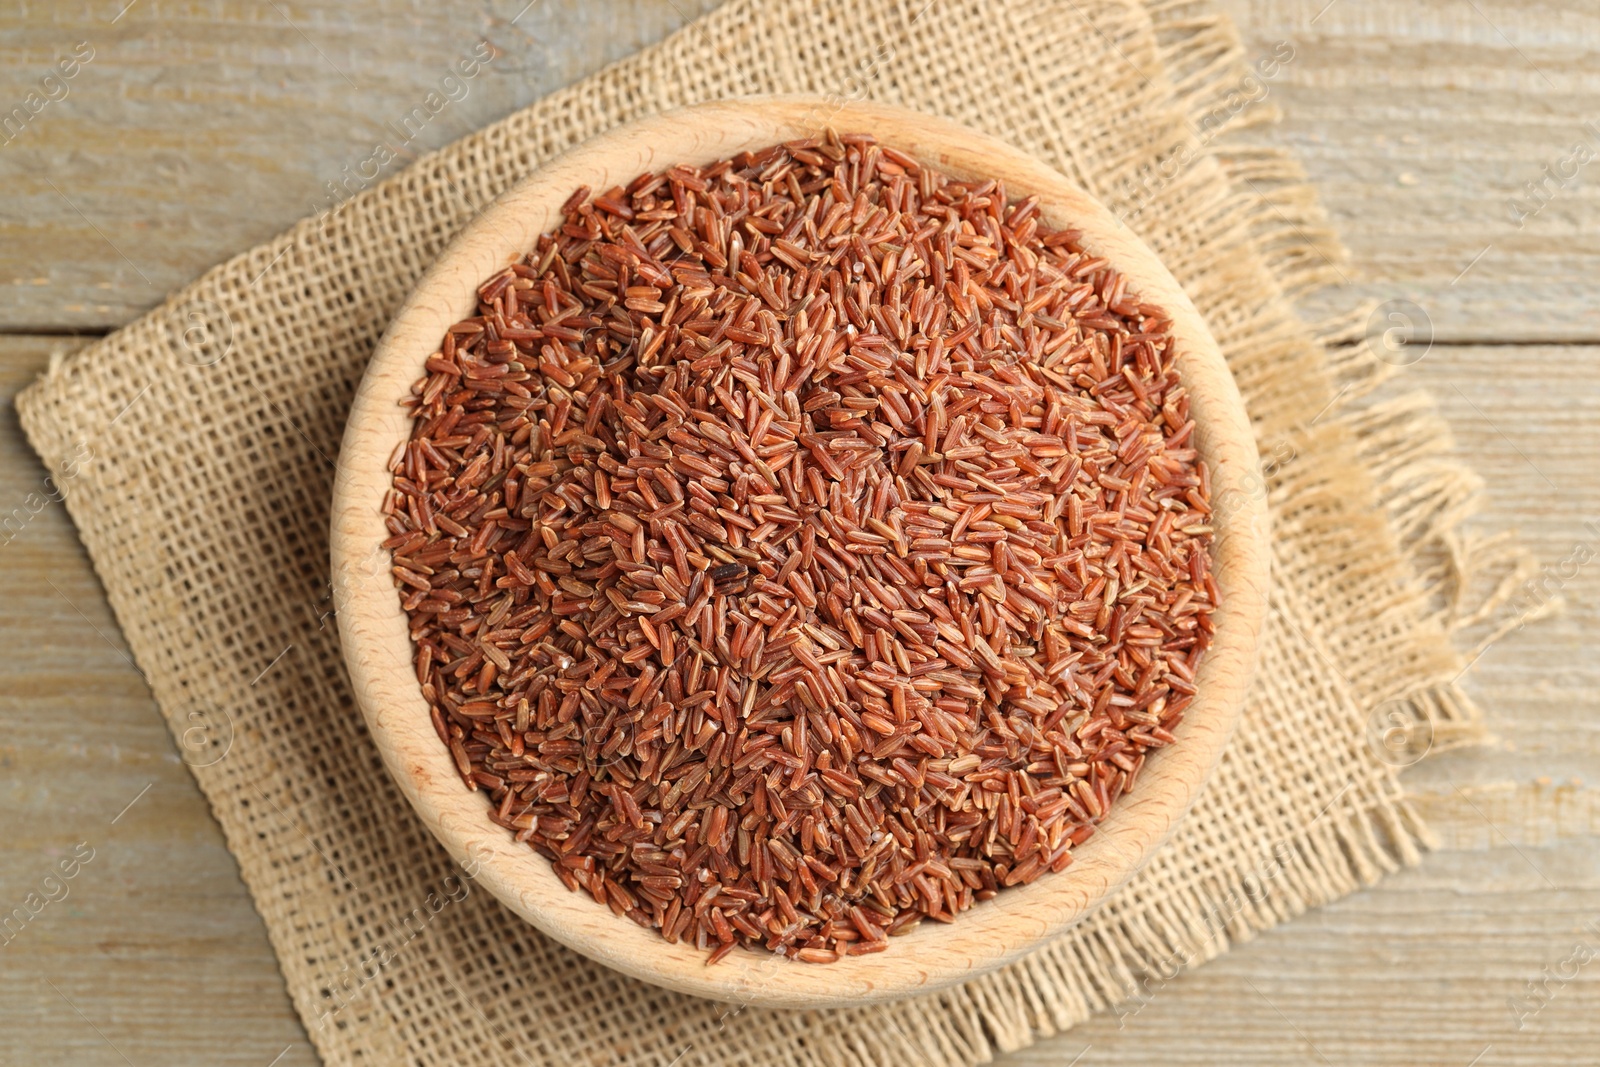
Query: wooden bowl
(378, 649)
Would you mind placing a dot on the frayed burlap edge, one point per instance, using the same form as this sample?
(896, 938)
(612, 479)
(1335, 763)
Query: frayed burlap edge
(1425, 499)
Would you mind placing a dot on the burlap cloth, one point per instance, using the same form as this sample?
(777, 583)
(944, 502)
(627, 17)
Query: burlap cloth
(215, 420)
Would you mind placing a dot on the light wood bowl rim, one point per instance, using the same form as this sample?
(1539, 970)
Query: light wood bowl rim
(378, 650)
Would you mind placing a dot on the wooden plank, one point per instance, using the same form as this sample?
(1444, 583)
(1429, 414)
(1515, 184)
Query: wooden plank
(1418, 971)
(1528, 417)
(191, 135)
(194, 132)
(1419, 124)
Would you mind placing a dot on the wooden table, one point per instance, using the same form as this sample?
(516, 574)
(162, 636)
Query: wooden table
(196, 131)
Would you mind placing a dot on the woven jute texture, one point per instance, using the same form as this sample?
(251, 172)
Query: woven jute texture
(214, 424)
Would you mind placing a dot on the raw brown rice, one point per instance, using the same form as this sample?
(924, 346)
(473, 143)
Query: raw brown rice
(803, 545)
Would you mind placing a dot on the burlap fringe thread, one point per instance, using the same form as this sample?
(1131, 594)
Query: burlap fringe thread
(1423, 497)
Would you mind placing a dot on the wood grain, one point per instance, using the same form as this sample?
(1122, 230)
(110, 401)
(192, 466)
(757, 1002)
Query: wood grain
(1419, 123)
(375, 633)
(194, 134)
(158, 943)
(197, 131)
